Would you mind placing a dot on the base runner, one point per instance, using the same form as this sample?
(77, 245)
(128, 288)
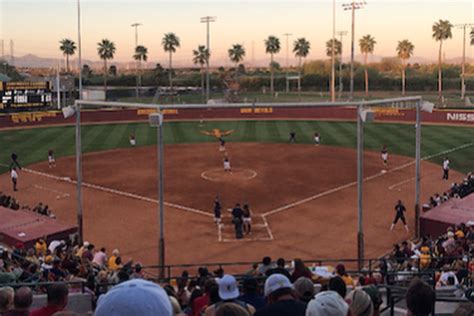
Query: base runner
(51, 160)
(227, 164)
(384, 154)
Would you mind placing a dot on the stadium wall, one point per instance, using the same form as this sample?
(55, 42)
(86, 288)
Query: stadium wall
(452, 117)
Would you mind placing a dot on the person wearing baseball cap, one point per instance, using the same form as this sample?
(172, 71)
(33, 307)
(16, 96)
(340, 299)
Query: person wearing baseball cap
(136, 297)
(281, 298)
(327, 303)
(228, 293)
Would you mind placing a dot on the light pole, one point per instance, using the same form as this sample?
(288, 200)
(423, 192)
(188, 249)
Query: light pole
(463, 26)
(78, 132)
(156, 120)
(136, 25)
(353, 6)
(207, 20)
(287, 52)
(341, 34)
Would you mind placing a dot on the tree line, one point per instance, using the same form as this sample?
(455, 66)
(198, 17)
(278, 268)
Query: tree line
(441, 31)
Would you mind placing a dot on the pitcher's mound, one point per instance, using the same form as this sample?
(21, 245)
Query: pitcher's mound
(219, 174)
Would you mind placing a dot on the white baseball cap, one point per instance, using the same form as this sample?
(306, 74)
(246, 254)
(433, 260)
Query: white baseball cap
(275, 282)
(136, 297)
(228, 288)
(327, 303)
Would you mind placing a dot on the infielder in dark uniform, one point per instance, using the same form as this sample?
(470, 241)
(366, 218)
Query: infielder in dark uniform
(217, 211)
(400, 214)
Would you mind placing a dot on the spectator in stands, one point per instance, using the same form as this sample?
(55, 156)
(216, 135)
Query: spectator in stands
(281, 298)
(265, 265)
(228, 293)
(183, 293)
(88, 253)
(113, 260)
(304, 287)
(56, 272)
(40, 247)
(444, 279)
(100, 258)
(300, 271)
(375, 297)
(173, 299)
(200, 303)
(231, 309)
(254, 270)
(251, 294)
(341, 271)
(328, 303)
(134, 298)
(22, 302)
(6, 299)
(420, 298)
(360, 303)
(338, 285)
(137, 272)
(280, 268)
(57, 294)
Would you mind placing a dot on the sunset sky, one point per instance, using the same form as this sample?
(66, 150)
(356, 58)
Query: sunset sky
(36, 26)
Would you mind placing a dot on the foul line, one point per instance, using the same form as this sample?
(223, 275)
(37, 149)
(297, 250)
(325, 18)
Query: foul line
(393, 186)
(61, 194)
(377, 175)
(118, 192)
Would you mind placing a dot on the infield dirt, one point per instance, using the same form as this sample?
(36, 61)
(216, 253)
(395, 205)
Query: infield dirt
(322, 226)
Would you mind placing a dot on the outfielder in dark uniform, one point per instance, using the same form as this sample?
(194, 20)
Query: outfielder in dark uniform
(292, 137)
(14, 162)
(400, 214)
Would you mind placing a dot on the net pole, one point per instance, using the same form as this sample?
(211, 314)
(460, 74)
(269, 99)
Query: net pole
(418, 167)
(160, 158)
(360, 165)
(79, 174)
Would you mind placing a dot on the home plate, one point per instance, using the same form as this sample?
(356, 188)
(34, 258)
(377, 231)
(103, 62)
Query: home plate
(383, 171)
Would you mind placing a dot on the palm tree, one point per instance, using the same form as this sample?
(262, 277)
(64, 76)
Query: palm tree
(272, 46)
(472, 36)
(301, 49)
(404, 51)
(441, 32)
(68, 47)
(141, 54)
(337, 48)
(201, 57)
(106, 50)
(170, 42)
(236, 54)
(367, 44)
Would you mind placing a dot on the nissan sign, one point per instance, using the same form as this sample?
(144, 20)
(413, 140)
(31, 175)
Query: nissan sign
(460, 117)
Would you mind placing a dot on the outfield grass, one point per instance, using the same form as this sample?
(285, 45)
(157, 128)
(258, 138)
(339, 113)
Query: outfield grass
(32, 144)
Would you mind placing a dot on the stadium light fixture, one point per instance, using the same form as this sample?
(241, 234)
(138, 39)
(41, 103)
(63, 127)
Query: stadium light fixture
(156, 120)
(353, 6)
(207, 20)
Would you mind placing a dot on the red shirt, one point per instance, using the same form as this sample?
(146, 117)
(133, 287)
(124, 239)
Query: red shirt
(199, 304)
(46, 311)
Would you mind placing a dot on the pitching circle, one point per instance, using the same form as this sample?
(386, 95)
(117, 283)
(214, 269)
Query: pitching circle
(218, 174)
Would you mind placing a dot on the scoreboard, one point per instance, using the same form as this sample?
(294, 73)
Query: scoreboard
(18, 96)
